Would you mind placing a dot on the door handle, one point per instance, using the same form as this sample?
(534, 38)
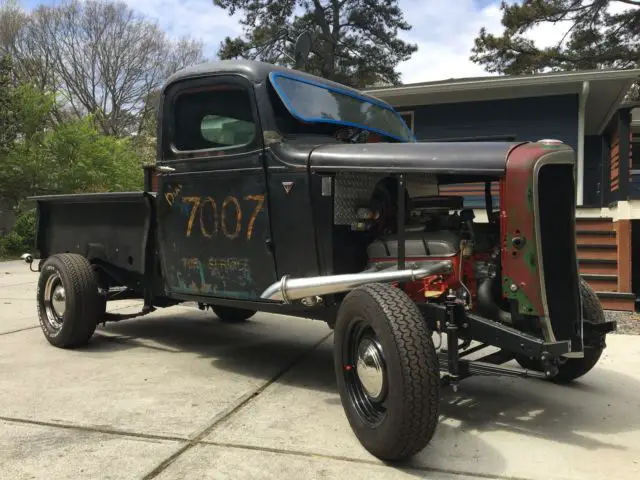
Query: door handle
(165, 169)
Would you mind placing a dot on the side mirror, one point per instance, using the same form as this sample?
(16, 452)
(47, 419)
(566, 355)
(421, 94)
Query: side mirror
(28, 258)
(302, 50)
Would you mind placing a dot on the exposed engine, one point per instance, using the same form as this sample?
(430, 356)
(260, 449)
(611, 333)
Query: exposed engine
(439, 228)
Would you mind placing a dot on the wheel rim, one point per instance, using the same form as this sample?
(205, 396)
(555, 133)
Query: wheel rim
(54, 301)
(365, 373)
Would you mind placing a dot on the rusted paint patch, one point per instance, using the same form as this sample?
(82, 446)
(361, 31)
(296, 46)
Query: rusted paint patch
(520, 259)
(520, 295)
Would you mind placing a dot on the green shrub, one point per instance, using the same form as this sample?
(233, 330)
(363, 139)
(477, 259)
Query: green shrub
(25, 226)
(13, 242)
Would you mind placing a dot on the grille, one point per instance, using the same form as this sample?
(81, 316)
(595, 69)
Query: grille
(556, 217)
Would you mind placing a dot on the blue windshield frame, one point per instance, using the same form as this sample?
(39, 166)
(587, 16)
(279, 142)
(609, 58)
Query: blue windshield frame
(273, 76)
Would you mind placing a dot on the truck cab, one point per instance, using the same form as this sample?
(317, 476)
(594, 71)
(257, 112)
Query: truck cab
(237, 208)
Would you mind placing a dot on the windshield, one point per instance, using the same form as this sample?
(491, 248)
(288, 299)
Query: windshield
(315, 102)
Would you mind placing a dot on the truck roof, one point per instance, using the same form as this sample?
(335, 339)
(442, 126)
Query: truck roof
(256, 72)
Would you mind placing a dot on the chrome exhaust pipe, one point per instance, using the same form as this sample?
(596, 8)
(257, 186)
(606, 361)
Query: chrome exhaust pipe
(288, 289)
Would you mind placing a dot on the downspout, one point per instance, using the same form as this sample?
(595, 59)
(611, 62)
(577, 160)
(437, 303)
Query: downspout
(582, 108)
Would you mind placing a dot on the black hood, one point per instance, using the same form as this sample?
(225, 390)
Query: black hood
(459, 158)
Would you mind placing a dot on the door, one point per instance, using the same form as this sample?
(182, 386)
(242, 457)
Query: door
(214, 227)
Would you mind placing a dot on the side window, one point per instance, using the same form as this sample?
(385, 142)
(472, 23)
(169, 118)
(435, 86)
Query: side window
(216, 117)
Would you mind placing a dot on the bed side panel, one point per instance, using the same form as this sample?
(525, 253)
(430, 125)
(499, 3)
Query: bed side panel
(113, 229)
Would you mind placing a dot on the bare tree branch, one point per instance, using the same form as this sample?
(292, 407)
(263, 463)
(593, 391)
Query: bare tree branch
(99, 56)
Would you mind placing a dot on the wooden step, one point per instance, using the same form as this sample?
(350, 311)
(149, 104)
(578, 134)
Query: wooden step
(597, 252)
(602, 283)
(597, 266)
(625, 302)
(602, 233)
(593, 224)
(595, 238)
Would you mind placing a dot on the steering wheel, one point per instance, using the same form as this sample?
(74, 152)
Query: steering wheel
(348, 134)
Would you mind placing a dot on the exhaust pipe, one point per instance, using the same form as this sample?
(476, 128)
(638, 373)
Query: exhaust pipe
(288, 289)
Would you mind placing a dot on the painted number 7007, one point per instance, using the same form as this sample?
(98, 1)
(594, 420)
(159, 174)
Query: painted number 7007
(229, 221)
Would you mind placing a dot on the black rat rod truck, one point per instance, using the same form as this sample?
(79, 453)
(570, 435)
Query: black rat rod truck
(278, 191)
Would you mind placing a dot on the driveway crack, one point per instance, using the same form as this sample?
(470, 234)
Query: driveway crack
(232, 409)
(94, 429)
(362, 461)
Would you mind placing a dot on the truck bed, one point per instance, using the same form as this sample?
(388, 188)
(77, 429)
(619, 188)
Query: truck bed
(110, 227)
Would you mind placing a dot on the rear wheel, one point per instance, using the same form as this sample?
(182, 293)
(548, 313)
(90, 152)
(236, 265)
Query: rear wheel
(570, 369)
(68, 300)
(232, 314)
(387, 371)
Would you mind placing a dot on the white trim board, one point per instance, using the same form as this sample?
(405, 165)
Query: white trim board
(623, 210)
(410, 113)
(582, 108)
(627, 210)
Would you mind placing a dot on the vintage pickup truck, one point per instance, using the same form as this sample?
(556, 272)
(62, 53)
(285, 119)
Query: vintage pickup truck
(278, 191)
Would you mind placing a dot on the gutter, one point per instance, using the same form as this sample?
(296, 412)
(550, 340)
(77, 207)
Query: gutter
(582, 109)
(504, 81)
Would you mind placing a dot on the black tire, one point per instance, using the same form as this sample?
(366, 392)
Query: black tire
(232, 314)
(572, 368)
(75, 275)
(404, 419)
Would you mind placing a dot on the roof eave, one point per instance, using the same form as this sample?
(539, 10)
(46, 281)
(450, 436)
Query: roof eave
(506, 82)
(622, 92)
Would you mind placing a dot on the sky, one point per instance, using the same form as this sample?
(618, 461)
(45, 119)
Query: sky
(444, 31)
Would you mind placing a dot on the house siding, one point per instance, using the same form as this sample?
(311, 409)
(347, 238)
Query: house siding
(523, 118)
(520, 119)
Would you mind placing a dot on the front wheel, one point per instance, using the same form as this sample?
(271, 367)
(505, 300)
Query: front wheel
(69, 303)
(387, 371)
(569, 369)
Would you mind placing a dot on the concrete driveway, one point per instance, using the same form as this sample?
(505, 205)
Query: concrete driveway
(177, 394)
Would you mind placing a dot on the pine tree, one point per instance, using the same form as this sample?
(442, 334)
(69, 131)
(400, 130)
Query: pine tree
(355, 42)
(595, 37)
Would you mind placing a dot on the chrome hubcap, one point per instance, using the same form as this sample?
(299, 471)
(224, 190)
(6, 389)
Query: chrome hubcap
(370, 367)
(54, 301)
(58, 300)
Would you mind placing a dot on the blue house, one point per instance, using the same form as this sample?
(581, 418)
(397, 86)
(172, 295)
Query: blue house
(585, 109)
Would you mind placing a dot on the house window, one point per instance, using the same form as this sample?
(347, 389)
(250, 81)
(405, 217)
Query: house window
(408, 119)
(220, 117)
